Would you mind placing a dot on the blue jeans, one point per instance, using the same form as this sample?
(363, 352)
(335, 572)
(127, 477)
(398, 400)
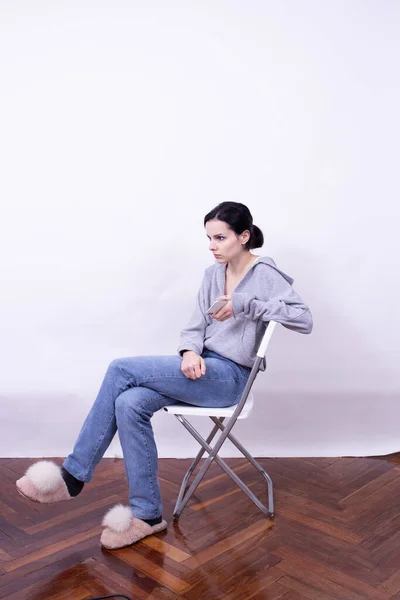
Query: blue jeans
(133, 389)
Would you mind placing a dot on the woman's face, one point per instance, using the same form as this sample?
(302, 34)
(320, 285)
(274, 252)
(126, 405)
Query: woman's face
(225, 244)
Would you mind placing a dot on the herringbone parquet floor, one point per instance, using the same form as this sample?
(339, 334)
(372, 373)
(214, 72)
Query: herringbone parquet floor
(336, 536)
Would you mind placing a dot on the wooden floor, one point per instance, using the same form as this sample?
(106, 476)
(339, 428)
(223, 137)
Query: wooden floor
(336, 535)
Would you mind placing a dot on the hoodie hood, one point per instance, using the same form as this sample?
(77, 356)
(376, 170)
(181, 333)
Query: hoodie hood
(267, 260)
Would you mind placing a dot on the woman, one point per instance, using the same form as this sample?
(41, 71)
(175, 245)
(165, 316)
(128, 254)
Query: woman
(213, 349)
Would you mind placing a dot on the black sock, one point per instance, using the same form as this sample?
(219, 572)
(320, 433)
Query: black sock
(152, 522)
(74, 485)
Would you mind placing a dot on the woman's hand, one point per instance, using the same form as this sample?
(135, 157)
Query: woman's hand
(193, 365)
(226, 312)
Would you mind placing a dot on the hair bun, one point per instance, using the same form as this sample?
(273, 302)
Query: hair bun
(256, 238)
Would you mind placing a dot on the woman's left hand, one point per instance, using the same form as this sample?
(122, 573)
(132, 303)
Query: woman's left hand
(226, 312)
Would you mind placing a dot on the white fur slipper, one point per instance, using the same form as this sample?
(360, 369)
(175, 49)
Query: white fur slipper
(123, 529)
(43, 483)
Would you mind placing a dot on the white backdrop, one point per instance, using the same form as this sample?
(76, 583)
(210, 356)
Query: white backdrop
(122, 124)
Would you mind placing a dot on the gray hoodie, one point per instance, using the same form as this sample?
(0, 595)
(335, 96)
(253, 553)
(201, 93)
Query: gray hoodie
(264, 294)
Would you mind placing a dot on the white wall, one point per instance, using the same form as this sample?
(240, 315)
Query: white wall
(122, 124)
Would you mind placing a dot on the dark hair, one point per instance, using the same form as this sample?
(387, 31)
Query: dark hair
(238, 218)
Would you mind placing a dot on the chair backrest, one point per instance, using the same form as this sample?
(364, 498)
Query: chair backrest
(262, 349)
(266, 339)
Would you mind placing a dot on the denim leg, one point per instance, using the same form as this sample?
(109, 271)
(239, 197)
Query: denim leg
(220, 386)
(134, 409)
(98, 428)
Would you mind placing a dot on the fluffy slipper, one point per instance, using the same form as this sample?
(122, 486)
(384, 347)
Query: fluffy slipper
(123, 529)
(43, 483)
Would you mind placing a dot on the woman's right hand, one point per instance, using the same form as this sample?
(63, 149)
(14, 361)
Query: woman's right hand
(193, 365)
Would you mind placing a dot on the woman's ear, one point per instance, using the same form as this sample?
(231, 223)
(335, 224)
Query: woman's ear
(245, 236)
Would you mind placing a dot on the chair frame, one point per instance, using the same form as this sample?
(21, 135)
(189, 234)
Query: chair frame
(225, 429)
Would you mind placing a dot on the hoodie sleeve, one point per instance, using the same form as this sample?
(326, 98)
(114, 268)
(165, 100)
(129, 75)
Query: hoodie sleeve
(192, 336)
(281, 304)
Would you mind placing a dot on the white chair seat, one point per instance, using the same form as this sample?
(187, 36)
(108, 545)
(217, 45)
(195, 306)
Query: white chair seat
(198, 411)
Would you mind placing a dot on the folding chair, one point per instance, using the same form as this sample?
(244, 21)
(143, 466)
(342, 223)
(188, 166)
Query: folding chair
(239, 411)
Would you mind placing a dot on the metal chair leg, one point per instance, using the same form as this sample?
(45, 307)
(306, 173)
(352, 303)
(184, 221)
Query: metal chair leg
(213, 456)
(194, 464)
(253, 461)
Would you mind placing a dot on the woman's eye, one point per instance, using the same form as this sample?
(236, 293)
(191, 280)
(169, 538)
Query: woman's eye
(221, 238)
